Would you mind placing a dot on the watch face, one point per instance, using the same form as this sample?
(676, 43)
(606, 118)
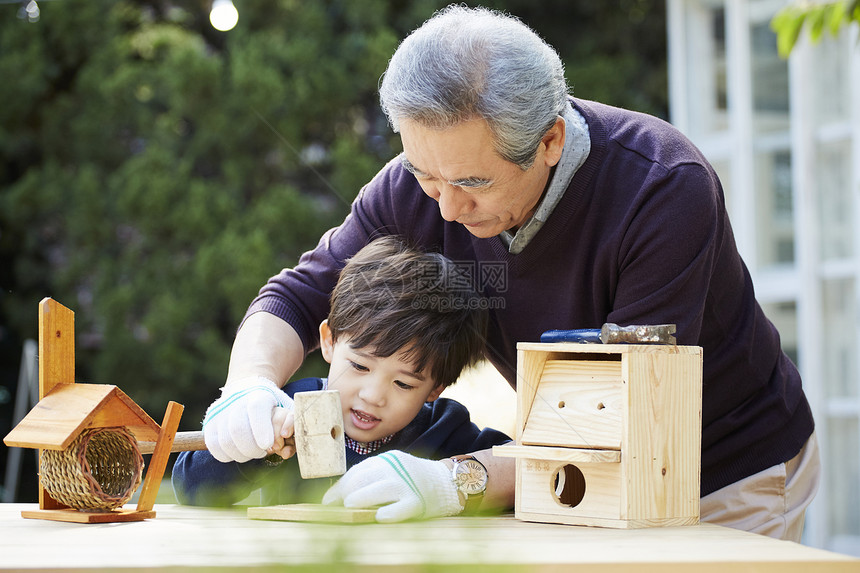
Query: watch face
(471, 477)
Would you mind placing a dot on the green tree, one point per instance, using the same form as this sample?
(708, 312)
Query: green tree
(155, 173)
(817, 17)
(614, 51)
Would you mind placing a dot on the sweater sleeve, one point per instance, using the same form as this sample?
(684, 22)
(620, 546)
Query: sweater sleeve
(199, 479)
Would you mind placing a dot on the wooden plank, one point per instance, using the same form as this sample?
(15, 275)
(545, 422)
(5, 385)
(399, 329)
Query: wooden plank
(662, 436)
(320, 445)
(578, 404)
(77, 516)
(55, 419)
(158, 463)
(56, 362)
(313, 512)
(603, 522)
(572, 455)
(56, 346)
(185, 537)
(529, 368)
(580, 348)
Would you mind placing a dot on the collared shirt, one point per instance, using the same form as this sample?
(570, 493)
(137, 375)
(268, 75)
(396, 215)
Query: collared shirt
(365, 448)
(577, 145)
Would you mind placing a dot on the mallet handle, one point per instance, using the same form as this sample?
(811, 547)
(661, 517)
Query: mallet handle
(185, 442)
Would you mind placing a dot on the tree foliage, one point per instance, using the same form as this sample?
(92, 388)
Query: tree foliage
(816, 17)
(154, 172)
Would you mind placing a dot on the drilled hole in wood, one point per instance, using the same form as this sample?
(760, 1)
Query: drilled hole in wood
(336, 431)
(600, 406)
(569, 485)
(561, 404)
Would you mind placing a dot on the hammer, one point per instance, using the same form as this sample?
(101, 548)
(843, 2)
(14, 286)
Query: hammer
(318, 435)
(611, 333)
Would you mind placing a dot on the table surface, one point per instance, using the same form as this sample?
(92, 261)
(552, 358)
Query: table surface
(181, 536)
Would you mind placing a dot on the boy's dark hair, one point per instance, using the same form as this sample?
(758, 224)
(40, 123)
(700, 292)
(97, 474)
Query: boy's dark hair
(391, 297)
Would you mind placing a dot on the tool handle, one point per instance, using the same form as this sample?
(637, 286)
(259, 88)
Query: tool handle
(186, 442)
(183, 442)
(589, 335)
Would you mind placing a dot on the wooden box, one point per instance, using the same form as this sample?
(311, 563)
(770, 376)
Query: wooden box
(607, 435)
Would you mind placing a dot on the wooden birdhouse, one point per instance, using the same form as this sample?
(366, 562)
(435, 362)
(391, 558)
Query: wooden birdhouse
(607, 435)
(87, 435)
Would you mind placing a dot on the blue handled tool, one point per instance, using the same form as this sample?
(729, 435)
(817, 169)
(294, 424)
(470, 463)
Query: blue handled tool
(611, 333)
(588, 335)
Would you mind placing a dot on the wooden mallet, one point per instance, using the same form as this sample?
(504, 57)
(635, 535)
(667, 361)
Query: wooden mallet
(318, 435)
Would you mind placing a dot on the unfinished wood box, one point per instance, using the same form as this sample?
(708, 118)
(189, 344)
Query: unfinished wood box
(607, 435)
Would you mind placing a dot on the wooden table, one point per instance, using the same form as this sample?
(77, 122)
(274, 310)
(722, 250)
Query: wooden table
(205, 538)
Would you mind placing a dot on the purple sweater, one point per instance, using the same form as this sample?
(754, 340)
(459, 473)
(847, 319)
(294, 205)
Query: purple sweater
(641, 236)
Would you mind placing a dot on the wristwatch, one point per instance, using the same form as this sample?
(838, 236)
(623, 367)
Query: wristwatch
(470, 478)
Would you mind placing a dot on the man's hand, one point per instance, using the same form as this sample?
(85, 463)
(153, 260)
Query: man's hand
(405, 486)
(238, 425)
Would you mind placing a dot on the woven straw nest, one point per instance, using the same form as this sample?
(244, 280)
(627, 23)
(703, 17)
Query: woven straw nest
(100, 470)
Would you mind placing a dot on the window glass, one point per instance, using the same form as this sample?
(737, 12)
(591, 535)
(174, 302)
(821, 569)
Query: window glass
(774, 208)
(841, 476)
(707, 70)
(840, 353)
(832, 194)
(784, 316)
(830, 79)
(769, 81)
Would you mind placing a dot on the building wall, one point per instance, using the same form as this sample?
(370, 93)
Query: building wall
(784, 137)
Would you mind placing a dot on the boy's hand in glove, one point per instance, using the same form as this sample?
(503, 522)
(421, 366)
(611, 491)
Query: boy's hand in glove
(405, 486)
(284, 426)
(238, 425)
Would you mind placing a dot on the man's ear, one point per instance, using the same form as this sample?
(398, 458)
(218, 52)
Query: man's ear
(326, 341)
(435, 393)
(553, 142)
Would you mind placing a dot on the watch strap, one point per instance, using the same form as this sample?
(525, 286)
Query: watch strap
(472, 501)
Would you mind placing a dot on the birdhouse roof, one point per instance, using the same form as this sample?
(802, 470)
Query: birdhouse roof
(68, 409)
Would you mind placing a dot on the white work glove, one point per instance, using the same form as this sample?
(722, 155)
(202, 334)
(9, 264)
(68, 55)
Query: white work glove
(238, 425)
(405, 486)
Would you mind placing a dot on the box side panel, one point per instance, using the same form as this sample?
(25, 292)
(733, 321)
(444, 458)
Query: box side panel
(661, 443)
(540, 493)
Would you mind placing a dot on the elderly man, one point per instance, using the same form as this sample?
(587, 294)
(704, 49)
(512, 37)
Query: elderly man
(573, 214)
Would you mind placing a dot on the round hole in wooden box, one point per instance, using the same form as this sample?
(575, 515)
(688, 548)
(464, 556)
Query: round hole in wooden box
(569, 485)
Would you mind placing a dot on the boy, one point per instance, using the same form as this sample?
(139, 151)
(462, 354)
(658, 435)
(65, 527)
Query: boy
(402, 326)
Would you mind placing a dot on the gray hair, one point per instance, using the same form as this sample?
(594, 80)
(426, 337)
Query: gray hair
(468, 63)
